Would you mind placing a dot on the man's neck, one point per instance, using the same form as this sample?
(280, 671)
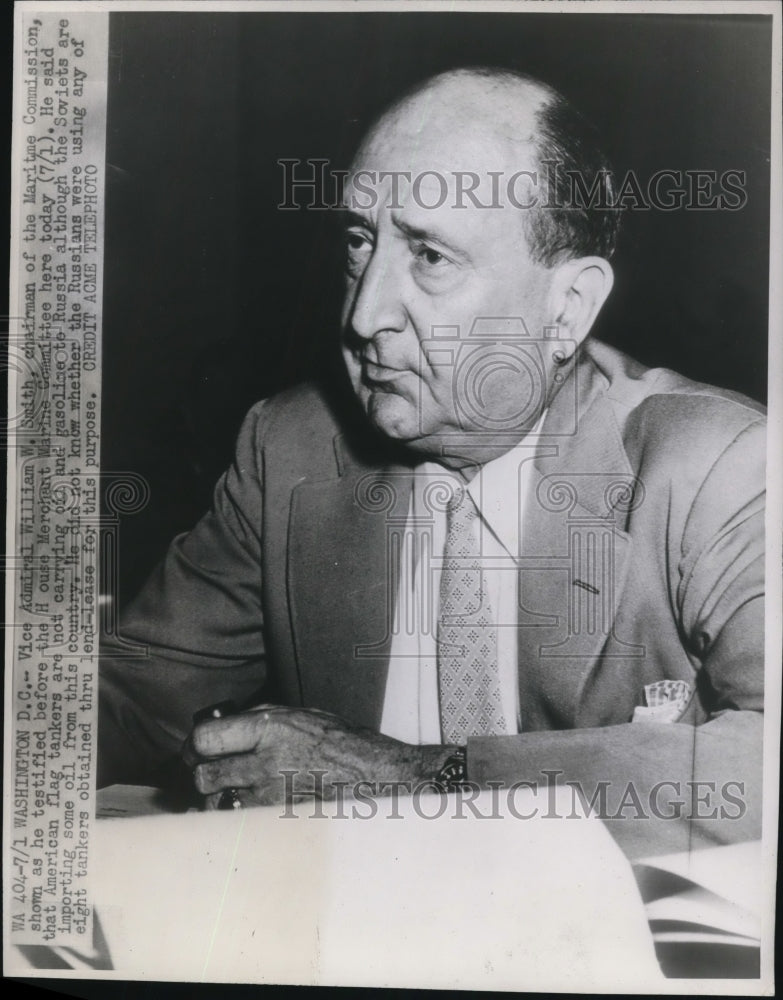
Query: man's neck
(466, 456)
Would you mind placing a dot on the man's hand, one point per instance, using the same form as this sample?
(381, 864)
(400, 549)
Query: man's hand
(250, 752)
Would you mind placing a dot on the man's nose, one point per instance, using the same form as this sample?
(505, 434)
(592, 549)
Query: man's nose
(378, 304)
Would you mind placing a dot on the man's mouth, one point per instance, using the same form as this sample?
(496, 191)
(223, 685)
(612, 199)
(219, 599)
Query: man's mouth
(375, 374)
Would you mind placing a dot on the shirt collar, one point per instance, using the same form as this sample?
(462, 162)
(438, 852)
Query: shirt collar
(499, 490)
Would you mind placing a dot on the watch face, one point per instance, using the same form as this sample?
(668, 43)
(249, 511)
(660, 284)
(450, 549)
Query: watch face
(454, 773)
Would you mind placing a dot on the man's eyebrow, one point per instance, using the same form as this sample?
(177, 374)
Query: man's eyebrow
(350, 218)
(430, 236)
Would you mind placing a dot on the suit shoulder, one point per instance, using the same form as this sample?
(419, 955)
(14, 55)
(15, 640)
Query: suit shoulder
(312, 431)
(661, 410)
(289, 434)
(300, 411)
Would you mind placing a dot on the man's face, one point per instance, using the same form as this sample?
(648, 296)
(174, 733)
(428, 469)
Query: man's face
(418, 278)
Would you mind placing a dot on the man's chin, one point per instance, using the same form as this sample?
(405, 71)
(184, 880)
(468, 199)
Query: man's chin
(393, 416)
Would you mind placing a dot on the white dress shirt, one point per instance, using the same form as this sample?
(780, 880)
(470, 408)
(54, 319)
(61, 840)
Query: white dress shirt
(499, 490)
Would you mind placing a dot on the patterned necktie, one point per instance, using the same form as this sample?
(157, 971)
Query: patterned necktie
(468, 676)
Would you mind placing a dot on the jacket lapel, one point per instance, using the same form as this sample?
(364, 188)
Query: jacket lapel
(575, 550)
(342, 585)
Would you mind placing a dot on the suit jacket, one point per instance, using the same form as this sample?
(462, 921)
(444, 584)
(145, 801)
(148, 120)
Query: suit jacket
(643, 561)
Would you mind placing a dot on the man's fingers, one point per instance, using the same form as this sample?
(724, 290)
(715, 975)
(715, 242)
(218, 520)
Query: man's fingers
(241, 771)
(235, 734)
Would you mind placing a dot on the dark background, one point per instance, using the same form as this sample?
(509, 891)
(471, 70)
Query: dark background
(215, 298)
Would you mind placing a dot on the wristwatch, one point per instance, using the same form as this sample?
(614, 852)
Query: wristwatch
(453, 775)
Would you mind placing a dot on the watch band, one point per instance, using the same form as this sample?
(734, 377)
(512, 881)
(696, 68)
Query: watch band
(453, 775)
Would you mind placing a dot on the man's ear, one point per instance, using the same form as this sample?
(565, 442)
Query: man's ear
(578, 290)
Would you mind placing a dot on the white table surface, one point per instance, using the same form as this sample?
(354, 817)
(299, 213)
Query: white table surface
(492, 903)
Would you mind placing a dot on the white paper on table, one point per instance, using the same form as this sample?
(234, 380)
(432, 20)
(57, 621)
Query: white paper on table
(478, 902)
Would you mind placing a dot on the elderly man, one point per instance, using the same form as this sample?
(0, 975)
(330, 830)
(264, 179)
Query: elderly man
(522, 558)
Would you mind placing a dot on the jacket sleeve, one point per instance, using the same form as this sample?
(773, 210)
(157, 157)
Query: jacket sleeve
(197, 625)
(671, 787)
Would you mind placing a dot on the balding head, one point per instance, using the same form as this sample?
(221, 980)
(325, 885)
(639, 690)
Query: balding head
(493, 120)
(499, 103)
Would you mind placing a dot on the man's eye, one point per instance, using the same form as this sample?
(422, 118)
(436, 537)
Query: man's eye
(357, 249)
(356, 241)
(426, 255)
